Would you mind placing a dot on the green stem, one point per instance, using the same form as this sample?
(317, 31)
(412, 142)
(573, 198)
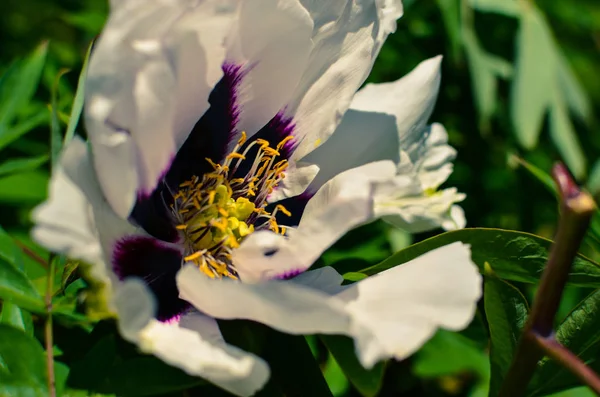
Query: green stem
(577, 208)
(48, 331)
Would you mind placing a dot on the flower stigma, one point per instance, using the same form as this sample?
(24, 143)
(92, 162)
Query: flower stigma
(217, 211)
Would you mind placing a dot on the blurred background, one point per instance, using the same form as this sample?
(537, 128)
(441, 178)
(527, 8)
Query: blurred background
(520, 91)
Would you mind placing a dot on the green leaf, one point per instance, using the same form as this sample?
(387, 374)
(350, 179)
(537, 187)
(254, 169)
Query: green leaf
(512, 255)
(336, 380)
(483, 78)
(9, 250)
(22, 364)
(78, 100)
(12, 315)
(537, 173)
(580, 333)
(26, 187)
(450, 10)
(506, 311)
(535, 73)
(10, 134)
(504, 7)
(593, 183)
(575, 96)
(16, 288)
(449, 353)
(18, 85)
(106, 369)
(14, 166)
(56, 138)
(565, 138)
(367, 381)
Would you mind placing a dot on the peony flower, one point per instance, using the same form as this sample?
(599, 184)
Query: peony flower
(209, 186)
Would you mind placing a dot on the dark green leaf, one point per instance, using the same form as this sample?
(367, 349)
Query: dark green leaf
(22, 364)
(77, 106)
(9, 250)
(9, 135)
(56, 137)
(18, 85)
(367, 381)
(14, 316)
(535, 72)
(14, 166)
(449, 353)
(17, 289)
(512, 255)
(506, 311)
(580, 333)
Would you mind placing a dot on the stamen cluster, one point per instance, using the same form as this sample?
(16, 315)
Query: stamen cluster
(216, 211)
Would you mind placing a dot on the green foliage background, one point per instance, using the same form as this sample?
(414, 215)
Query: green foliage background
(520, 89)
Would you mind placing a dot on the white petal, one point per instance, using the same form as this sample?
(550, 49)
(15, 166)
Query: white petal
(194, 344)
(403, 306)
(271, 41)
(383, 120)
(148, 82)
(76, 220)
(340, 205)
(388, 315)
(410, 100)
(348, 36)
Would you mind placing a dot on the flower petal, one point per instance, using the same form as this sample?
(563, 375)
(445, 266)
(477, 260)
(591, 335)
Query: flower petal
(383, 120)
(412, 201)
(141, 97)
(388, 315)
(76, 220)
(270, 42)
(348, 36)
(194, 344)
(342, 204)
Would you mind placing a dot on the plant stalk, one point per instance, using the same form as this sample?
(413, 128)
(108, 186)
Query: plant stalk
(48, 331)
(577, 208)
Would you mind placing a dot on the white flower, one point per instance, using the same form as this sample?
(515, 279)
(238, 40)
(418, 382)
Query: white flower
(204, 117)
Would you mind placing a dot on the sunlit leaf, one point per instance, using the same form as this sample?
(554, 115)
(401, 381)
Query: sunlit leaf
(506, 311)
(512, 255)
(367, 381)
(535, 71)
(23, 364)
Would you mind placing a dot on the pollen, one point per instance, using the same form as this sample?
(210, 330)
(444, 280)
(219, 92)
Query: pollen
(216, 211)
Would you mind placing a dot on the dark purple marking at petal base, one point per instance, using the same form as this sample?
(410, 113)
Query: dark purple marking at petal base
(295, 205)
(208, 138)
(156, 264)
(214, 131)
(289, 274)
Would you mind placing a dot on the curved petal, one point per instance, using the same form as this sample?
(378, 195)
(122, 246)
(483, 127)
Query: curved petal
(383, 120)
(389, 315)
(193, 344)
(342, 204)
(76, 220)
(348, 36)
(148, 82)
(270, 43)
(412, 201)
